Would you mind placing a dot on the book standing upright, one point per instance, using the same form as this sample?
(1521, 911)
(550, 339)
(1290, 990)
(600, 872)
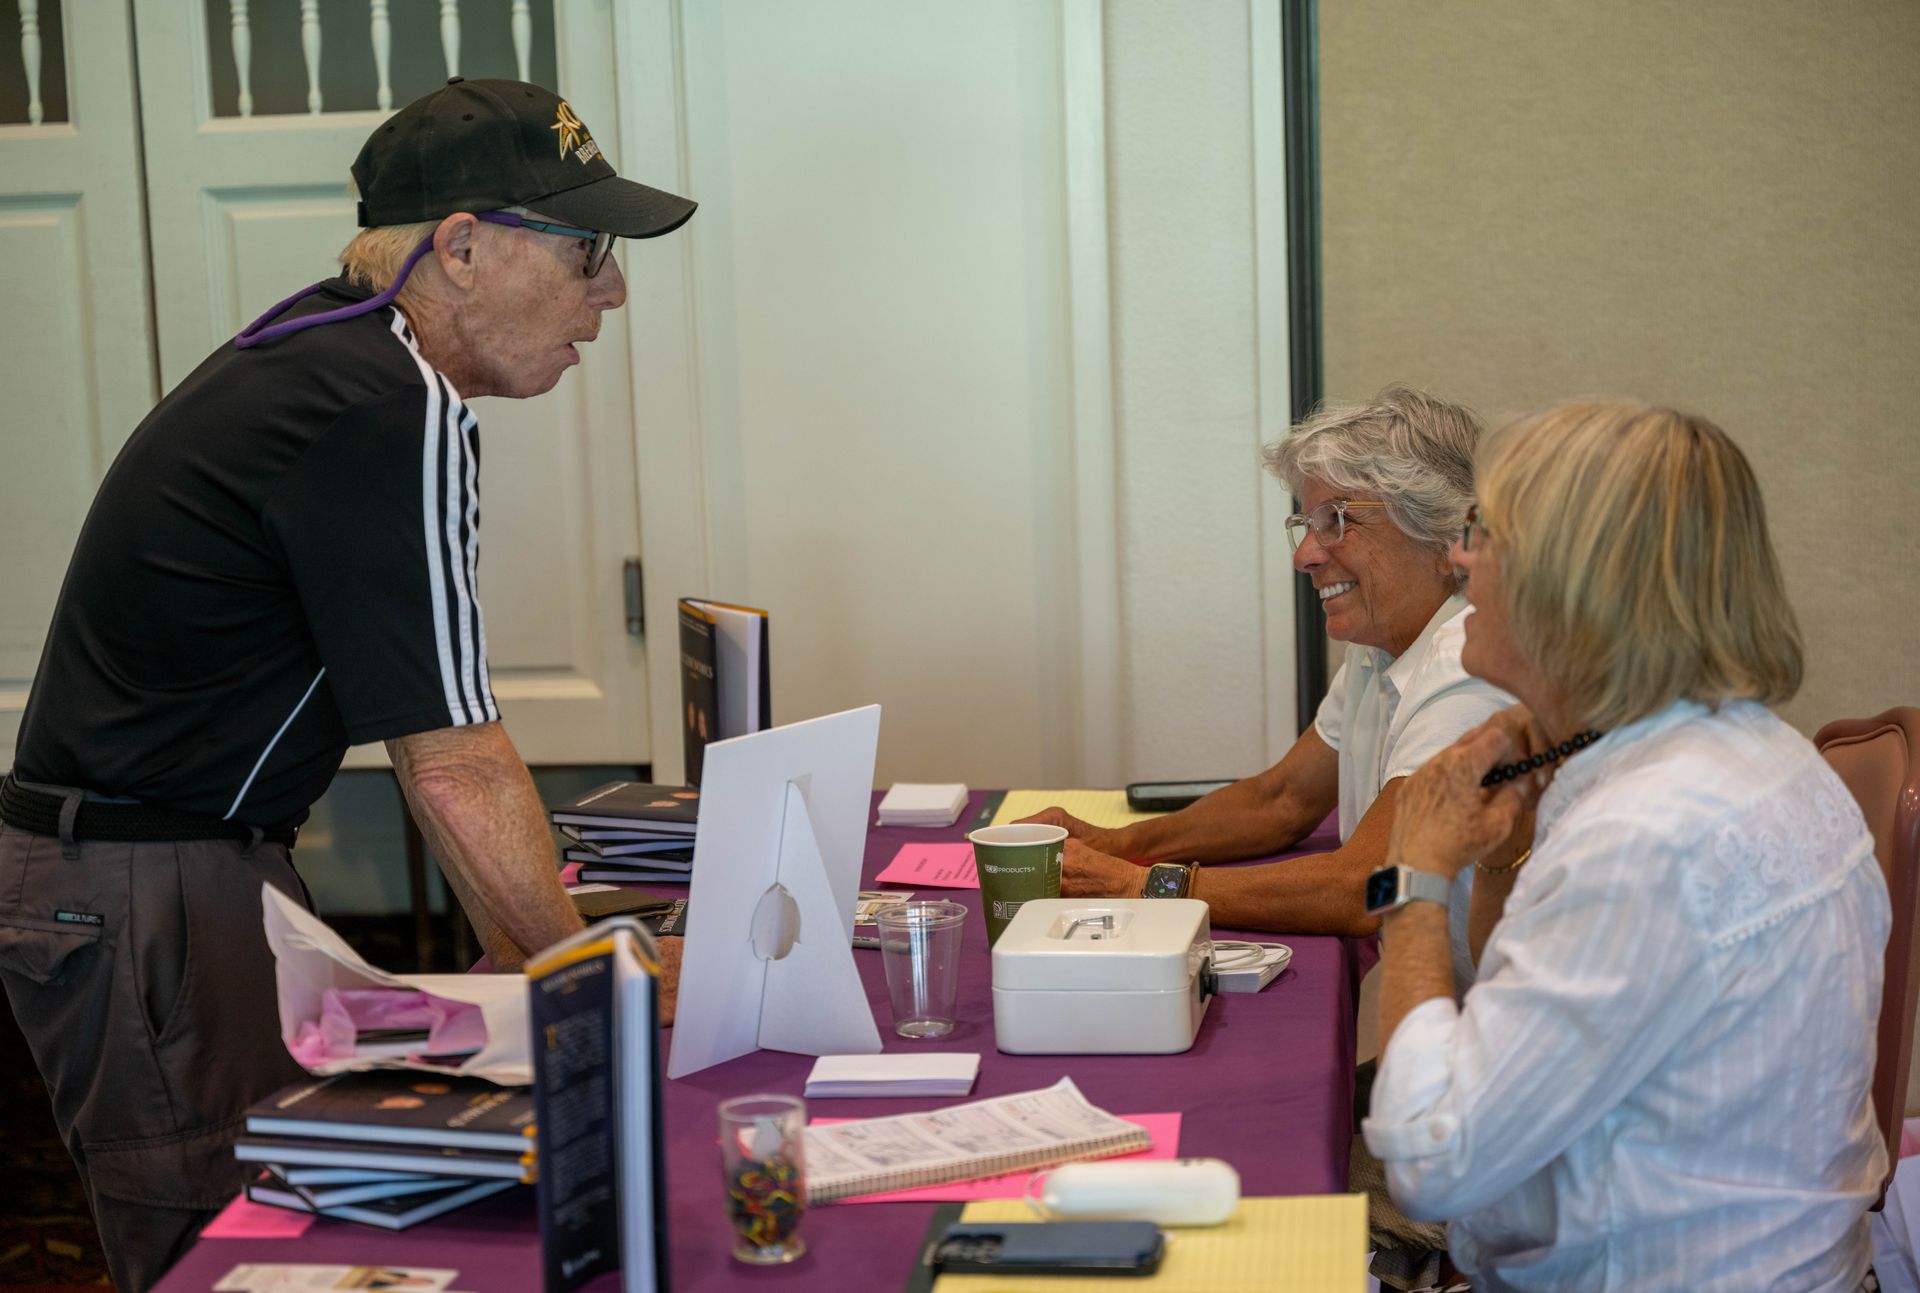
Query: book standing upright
(725, 681)
(594, 1001)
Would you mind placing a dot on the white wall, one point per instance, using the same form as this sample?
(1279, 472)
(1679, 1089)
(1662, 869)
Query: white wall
(956, 373)
(1181, 131)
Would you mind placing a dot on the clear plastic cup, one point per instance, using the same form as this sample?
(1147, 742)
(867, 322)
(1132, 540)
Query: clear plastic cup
(920, 947)
(763, 1155)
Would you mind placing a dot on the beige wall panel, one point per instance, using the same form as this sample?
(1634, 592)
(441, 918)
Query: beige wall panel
(1708, 205)
(1180, 149)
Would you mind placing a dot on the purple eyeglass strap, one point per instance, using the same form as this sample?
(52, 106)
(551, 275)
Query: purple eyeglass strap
(260, 331)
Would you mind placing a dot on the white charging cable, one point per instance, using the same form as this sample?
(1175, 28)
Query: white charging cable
(1239, 954)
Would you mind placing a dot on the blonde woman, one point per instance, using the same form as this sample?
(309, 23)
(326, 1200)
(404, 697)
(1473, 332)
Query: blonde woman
(1660, 1077)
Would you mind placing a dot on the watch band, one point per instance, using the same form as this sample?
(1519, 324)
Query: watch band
(1393, 887)
(1169, 880)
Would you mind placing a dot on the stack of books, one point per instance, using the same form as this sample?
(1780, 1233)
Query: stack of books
(629, 831)
(389, 1147)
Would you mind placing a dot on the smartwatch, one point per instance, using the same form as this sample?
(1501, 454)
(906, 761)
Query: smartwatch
(1393, 887)
(1169, 880)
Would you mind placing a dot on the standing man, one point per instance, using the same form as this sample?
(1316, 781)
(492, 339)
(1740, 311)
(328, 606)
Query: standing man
(281, 563)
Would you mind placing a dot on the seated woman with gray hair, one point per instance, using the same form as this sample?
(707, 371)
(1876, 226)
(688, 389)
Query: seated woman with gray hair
(1383, 488)
(1660, 1078)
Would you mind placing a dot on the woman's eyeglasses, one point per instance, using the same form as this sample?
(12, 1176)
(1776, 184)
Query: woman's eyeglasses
(1473, 523)
(1327, 521)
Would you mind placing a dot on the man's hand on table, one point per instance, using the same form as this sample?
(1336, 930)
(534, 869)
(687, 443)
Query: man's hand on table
(1094, 837)
(1087, 873)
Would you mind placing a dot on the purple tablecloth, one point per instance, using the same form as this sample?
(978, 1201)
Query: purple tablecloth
(1268, 1086)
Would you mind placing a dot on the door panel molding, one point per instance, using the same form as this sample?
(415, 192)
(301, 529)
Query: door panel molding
(694, 526)
(83, 363)
(1273, 374)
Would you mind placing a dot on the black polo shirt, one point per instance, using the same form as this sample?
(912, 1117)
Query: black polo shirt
(281, 562)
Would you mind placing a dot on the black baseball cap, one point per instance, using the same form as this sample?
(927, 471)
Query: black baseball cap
(483, 145)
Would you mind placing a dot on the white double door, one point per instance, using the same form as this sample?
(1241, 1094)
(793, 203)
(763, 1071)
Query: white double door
(238, 213)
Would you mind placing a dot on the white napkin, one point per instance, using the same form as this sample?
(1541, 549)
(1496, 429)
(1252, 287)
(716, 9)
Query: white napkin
(927, 1074)
(911, 804)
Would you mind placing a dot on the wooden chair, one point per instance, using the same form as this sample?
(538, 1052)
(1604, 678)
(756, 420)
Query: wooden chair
(1879, 759)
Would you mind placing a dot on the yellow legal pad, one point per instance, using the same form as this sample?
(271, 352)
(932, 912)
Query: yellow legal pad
(1103, 808)
(1314, 1243)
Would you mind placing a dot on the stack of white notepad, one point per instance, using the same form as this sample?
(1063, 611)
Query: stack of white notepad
(907, 804)
(926, 1074)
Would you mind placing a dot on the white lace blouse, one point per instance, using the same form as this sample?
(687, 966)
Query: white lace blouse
(1660, 1078)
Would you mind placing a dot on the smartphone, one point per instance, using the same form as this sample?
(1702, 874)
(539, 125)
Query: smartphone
(1050, 1248)
(1168, 796)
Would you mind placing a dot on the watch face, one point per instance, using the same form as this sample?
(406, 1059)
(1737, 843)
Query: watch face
(1164, 881)
(1383, 886)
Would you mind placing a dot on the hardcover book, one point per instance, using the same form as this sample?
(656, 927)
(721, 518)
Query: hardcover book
(310, 1198)
(671, 859)
(432, 1160)
(725, 679)
(634, 806)
(676, 848)
(392, 1212)
(633, 875)
(594, 1003)
(402, 1106)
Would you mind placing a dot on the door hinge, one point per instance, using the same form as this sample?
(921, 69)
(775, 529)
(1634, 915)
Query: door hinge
(636, 604)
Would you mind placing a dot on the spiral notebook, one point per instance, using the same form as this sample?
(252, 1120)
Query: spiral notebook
(1010, 1133)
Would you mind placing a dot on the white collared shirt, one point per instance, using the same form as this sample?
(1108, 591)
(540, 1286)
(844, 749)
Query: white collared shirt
(1387, 715)
(1661, 1078)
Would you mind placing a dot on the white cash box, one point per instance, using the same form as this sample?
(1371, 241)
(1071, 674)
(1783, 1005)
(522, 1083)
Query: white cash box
(1102, 976)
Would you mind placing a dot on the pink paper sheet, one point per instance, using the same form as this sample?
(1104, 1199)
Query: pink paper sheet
(932, 866)
(1163, 1127)
(245, 1219)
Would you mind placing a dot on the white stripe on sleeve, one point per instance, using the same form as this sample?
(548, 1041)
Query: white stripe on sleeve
(430, 511)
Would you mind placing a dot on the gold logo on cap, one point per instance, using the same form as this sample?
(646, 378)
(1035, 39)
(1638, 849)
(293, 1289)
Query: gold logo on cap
(573, 135)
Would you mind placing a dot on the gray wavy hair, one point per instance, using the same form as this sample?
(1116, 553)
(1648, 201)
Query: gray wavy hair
(1414, 451)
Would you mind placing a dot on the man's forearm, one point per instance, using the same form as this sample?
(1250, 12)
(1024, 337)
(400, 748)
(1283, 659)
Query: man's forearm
(476, 805)
(1322, 893)
(1243, 820)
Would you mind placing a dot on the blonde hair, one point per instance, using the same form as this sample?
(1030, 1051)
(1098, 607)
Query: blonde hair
(374, 257)
(1410, 449)
(1635, 560)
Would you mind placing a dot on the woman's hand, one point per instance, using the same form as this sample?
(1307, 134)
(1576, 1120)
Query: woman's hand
(1092, 836)
(1445, 820)
(1086, 873)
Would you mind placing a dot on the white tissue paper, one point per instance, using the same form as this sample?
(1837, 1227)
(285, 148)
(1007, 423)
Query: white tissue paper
(310, 958)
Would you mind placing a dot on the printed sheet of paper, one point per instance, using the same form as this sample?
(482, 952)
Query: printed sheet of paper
(867, 908)
(254, 1277)
(937, 866)
(1303, 1244)
(1104, 808)
(1163, 1127)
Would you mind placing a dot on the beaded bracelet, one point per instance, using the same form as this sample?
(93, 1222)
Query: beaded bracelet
(1508, 771)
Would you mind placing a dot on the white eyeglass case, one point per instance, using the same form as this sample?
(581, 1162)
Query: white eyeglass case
(1104, 976)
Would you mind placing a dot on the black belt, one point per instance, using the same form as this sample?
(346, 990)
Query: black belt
(40, 812)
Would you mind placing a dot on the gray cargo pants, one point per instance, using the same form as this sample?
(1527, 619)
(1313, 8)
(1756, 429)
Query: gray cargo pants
(143, 983)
